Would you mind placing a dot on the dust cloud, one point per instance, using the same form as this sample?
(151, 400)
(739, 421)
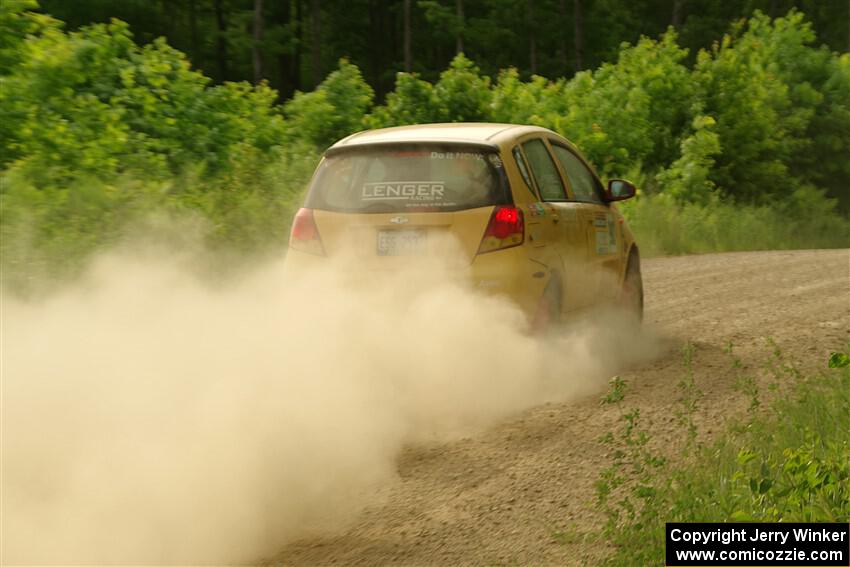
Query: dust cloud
(149, 417)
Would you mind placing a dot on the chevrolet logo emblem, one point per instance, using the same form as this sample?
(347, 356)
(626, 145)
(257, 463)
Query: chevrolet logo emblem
(399, 220)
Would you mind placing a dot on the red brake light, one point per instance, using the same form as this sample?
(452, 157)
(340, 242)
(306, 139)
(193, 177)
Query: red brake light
(506, 229)
(305, 233)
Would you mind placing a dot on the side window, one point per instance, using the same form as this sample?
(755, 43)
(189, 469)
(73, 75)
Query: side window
(523, 168)
(544, 170)
(581, 179)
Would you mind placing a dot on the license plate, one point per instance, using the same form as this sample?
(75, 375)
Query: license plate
(401, 242)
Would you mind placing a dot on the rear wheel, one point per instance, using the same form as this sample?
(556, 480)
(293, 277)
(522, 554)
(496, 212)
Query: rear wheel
(632, 294)
(548, 314)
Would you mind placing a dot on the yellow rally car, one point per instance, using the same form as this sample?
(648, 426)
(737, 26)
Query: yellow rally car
(531, 218)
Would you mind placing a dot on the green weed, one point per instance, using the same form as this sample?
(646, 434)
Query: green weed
(786, 463)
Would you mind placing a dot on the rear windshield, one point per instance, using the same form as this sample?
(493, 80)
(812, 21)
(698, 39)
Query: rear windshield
(409, 178)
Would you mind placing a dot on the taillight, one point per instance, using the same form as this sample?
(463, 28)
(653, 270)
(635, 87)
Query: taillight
(506, 229)
(305, 233)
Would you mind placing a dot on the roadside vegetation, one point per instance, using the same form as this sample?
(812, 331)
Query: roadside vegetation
(744, 147)
(785, 460)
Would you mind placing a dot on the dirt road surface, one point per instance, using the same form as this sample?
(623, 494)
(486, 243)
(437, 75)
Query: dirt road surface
(521, 493)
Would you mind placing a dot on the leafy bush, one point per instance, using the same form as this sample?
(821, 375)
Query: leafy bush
(49, 232)
(688, 179)
(462, 94)
(539, 101)
(631, 112)
(93, 103)
(788, 464)
(334, 110)
(778, 105)
(97, 132)
(412, 102)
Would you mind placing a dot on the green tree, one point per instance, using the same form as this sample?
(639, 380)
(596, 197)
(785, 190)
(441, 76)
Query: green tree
(633, 112)
(688, 179)
(412, 102)
(540, 102)
(761, 118)
(334, 110)
(462, 93)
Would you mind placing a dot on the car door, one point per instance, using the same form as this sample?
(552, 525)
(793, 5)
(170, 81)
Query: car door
(602, 231)
(564, 229)
(538, 218)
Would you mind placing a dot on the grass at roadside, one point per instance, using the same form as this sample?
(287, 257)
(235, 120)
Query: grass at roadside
(787, 460)
(663, 226)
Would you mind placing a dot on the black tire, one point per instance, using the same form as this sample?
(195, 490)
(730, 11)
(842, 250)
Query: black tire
(548, 316)
(632, 294)
(553, 295)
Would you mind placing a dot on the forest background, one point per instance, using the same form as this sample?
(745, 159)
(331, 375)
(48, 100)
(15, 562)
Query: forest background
(732, 118)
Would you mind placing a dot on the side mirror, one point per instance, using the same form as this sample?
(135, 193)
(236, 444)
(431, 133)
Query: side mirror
(620, 190)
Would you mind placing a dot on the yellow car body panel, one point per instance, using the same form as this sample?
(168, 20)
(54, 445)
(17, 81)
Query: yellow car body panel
(578, 245)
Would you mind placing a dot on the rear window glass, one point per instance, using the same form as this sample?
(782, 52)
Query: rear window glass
(409, 178)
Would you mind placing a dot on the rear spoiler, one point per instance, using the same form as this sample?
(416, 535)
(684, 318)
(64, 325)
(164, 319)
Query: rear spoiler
(472, 144)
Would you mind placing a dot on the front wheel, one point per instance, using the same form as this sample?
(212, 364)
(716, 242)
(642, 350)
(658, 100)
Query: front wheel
(632, 294)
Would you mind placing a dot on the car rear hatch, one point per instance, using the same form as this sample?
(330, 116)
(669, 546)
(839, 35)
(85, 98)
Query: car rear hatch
(386, 204)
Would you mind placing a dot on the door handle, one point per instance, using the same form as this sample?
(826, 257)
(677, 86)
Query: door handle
(555, 218)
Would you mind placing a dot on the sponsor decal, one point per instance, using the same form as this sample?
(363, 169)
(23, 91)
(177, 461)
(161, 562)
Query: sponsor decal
(536, 210)
(601, 242)
(606, 235)
(403, 191)
(612, 235)
(456, 155)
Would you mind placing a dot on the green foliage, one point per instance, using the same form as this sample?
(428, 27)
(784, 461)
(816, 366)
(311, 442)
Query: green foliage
(97, 132)
(766, 88)
(630, 112)
(412, 102)
(218, 34)
(48, 233)
(17, 22)
(805, 219)
(820, 81)
(688, 180)
(690, 395)
(623, 487)
(839, 359)
(788, 464)
(462, 94)
(539, 101)
(334, 110)
(443, 19)
(93, 103)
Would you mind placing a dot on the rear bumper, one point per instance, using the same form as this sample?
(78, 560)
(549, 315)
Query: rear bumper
(505, 273)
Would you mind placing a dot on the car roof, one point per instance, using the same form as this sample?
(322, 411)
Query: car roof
(461, 132)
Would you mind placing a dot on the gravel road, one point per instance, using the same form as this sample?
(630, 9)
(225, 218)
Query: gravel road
(508, 495)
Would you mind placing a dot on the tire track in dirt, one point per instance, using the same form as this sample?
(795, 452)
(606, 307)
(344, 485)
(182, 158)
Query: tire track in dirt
(522, 492)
